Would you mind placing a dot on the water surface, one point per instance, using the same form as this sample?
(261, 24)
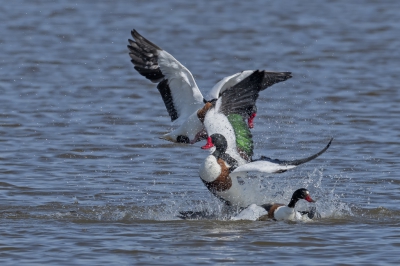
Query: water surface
(85, 179)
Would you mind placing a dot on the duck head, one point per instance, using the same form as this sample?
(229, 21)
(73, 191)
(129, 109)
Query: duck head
(301, 193)
(218, 141)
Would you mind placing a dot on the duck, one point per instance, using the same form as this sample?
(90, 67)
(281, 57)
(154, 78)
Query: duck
(227, 116)
(264, 212)
(277, 211)
(219, 171)
(183, 99)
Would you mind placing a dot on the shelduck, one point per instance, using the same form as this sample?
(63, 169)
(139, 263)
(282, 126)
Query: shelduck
(219, 171)
(184, 102)
(227, 116)
(278, 211)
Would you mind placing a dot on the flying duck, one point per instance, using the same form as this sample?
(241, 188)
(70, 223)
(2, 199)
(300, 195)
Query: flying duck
(184, 102)
(219, 171)
(227, 116)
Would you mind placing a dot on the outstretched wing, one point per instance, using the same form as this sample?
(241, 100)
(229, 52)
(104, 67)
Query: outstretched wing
(242, 96)
(237, 96)
(270, 78)
(268, 165)
(176, 84)
(298, 161)
(235, 104)
(262, 167)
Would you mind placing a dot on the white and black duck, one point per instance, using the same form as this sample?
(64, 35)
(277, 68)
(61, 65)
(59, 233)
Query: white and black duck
(219, 171)
(227, 116)
(184, 102)
(278, 211)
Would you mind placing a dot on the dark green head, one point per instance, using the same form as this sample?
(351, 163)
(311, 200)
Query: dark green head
(217, 140)
(301, 193)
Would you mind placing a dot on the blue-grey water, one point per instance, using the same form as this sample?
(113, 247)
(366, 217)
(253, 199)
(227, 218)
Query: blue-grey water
(85, 179)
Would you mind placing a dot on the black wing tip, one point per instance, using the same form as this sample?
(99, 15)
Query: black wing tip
(298, 161)
(330, 142)
(135, 34)
(271, 78)
(312, 157)
(144, 57)
(138, 37)
(287, 75)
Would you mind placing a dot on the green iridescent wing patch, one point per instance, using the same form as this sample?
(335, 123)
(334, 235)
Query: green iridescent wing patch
(244, 138)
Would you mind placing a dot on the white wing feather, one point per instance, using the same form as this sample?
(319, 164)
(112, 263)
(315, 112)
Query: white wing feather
(262, 167)
(227, 82)
(187, 97)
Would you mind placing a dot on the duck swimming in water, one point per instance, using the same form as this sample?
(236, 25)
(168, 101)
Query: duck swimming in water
(184, 102)
(278, 211)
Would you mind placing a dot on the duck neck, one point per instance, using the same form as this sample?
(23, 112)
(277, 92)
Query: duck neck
(227, 158)
(293, 202)
(217, 154)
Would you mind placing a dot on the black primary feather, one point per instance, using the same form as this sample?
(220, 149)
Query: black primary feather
(242, 96)
(166, 95)
(144, 55)
(271, 78)
(295, 162)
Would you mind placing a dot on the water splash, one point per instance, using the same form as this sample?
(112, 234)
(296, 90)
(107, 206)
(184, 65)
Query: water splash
(330, 205)
(261, 190)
